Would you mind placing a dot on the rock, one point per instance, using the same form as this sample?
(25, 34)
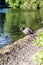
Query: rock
(39, 31)
(19, 53)
(1, 55)
(8, 49)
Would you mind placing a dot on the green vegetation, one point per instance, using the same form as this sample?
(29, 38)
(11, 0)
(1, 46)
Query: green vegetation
(39, 40)
(25, 4)
(38, 57)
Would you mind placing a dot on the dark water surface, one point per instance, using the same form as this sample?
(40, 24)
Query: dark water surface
(11, 21)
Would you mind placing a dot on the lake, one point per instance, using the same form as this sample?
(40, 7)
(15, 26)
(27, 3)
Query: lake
(11, 21)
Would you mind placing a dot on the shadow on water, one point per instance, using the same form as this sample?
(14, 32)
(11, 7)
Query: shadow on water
(13, 20)
(2, 18)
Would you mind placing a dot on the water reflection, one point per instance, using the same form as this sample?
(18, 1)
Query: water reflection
(38, 18)
(4, 37)
(12, 21)
(2, 21)
(36, 21)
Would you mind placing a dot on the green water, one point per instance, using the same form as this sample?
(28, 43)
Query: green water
(13, 20)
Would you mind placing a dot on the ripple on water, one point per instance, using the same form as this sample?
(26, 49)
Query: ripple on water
(4, 39)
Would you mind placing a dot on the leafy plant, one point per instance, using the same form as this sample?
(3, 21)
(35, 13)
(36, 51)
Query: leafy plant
(38, 57)
(39, 40)
(25, 3)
